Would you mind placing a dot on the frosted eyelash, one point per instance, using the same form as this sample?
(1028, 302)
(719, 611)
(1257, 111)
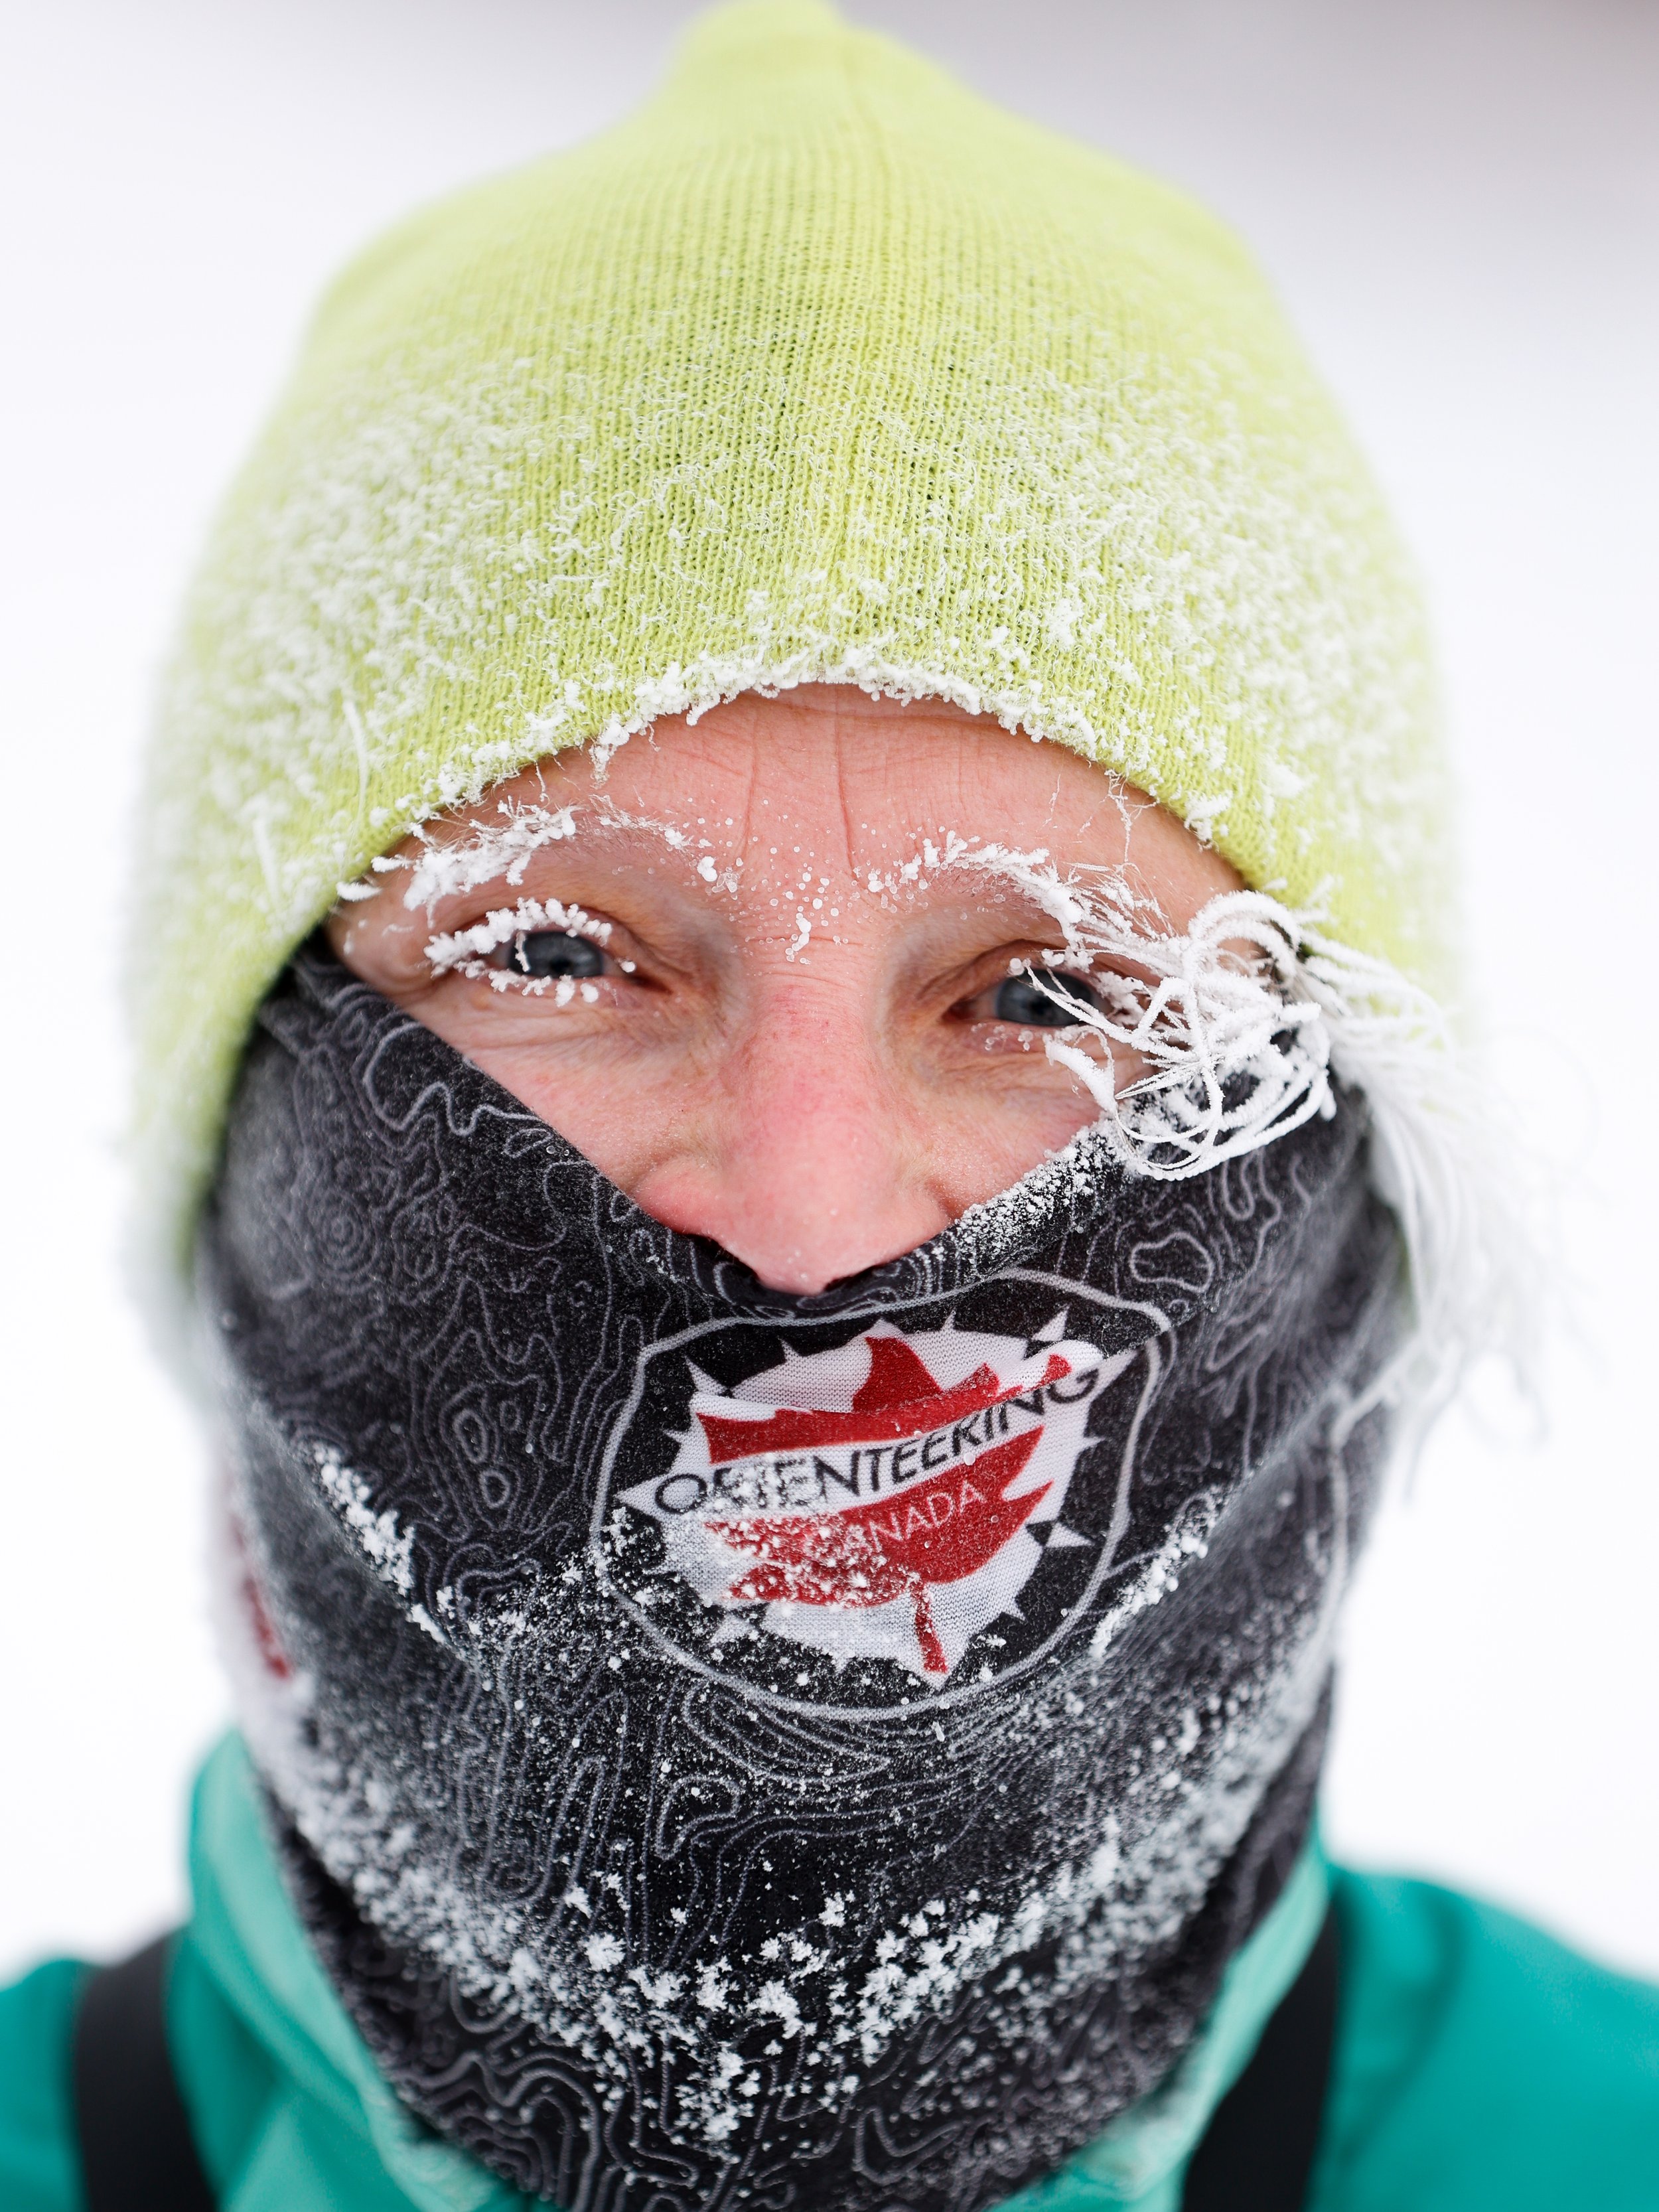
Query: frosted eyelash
(466, 951)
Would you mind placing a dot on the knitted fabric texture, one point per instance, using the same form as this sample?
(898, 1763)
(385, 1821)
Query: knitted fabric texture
(819, 367)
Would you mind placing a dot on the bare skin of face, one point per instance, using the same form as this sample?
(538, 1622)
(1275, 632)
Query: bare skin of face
(743, 1034)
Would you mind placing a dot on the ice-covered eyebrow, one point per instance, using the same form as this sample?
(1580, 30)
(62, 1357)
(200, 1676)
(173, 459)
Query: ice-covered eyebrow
(444, 868)
(1095, 905)
(1097, 908)
(501, 852)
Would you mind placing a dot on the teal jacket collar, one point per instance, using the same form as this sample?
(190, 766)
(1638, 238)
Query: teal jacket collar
(292, 2115)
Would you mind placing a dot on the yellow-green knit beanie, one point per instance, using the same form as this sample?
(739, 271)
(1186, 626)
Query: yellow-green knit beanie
(818, 368)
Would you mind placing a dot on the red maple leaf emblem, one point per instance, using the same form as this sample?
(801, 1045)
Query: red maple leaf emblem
(940, 1528)
(897, 1398)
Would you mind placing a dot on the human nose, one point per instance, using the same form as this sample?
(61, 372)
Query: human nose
(805, 1163)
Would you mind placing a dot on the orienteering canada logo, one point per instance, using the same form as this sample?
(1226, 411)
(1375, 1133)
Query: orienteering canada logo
(884, 1499)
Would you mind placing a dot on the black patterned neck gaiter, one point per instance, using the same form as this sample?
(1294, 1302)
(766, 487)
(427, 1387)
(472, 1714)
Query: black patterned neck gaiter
(730, 1748)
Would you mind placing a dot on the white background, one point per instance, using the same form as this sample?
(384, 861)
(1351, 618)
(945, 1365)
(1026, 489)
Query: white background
(1461, 199)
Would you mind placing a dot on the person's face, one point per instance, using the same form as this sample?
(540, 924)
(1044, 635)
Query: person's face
(777, 1024)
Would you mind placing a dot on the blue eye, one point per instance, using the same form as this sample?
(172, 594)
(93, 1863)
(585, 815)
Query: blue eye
(553, 953)
(1022, 1001)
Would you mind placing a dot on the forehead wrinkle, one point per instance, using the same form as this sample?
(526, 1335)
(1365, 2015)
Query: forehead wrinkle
(838, 751)
(844, 803)
(940, 793)
(1082, 803)
(795, 793)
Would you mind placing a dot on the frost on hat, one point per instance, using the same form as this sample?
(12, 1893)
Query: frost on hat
(818, 368)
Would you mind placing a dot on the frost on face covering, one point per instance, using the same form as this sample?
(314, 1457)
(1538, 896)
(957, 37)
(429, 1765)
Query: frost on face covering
(726, 1743)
